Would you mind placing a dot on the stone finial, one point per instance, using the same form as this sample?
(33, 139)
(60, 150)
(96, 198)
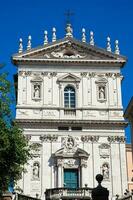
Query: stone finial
(117, 50)
(45, 37)
(20, 45)
(108, 44)
(83, 35)
(100, 193)
(69, 31)
(54, 34)
(29, 42)
(92, 38)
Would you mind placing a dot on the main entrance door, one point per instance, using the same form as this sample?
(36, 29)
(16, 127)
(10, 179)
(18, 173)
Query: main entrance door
(71, 178)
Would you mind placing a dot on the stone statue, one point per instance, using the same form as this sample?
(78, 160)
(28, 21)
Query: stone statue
(37, 91)
(101, 92)
(36, 171)
(105, 171)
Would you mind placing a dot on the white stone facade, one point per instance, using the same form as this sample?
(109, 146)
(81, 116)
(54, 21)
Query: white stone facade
(90, 136)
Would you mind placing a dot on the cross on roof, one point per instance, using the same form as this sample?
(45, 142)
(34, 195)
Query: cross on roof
(68, 14)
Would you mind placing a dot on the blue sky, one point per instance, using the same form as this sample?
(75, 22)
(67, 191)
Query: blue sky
(114, 18)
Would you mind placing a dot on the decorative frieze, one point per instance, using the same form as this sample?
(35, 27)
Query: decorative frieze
(48, 138)
(113, 139)
(83, 74)
(24, 73)
(89, 138)
(71, 163)
(53, 74)
(92, 74)
(109, 75)
(117, 75)
(68, 162)
(44, 73)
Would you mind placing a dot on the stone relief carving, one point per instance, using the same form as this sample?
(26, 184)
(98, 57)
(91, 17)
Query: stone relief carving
(65, 55)
(49, 113)
(71, 163)
(21, 73)
(100, 75)
(109, 74)
(87, 113)
(23, 112)
(24, 73)
(70, 144)
(104, 146)
(60, 162)
(92, 74)
(104, 150)
(83, 74)
(105, 171)
(68, 163)
(44, 73)
(117, 75)
(36, 146)
(36, 171)
(36, 149)
(88, 138)
(83, 163)
(48, 138)
(113, 139)
(53, 74)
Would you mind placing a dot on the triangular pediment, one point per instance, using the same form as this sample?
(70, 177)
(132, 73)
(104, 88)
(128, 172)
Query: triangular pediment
(68, 50)
(69, 78)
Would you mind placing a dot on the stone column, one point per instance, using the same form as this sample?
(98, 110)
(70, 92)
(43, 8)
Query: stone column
(59, 164)
(83, 166)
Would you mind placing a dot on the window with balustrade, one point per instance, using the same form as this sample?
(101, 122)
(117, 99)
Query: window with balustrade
(69, 97)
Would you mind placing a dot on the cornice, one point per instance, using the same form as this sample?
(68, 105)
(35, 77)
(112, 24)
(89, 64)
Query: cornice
(62, 108)
(18, 61)
(86, 123)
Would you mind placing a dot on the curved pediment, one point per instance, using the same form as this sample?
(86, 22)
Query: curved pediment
(79, 153)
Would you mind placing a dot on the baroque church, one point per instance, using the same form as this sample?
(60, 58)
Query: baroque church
(69, 106)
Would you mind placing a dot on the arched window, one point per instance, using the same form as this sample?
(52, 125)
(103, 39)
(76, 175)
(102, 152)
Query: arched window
(69, 97)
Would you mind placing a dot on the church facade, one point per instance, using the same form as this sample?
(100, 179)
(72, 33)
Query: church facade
(69, 106)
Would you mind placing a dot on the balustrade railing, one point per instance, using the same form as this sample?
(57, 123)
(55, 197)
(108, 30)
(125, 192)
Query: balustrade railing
(70, 112)
(80, 193)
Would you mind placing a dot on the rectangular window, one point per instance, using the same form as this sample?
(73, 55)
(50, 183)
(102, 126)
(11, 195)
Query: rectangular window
(76, 128)
(63, 128)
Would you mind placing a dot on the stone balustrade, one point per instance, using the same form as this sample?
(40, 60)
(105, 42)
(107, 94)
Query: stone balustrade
(71, 193)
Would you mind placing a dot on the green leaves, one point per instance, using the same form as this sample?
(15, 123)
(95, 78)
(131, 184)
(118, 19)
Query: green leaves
(14, 148)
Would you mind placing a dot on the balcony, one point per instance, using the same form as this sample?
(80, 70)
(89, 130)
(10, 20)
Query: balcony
(70, 112)
(68, 193)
